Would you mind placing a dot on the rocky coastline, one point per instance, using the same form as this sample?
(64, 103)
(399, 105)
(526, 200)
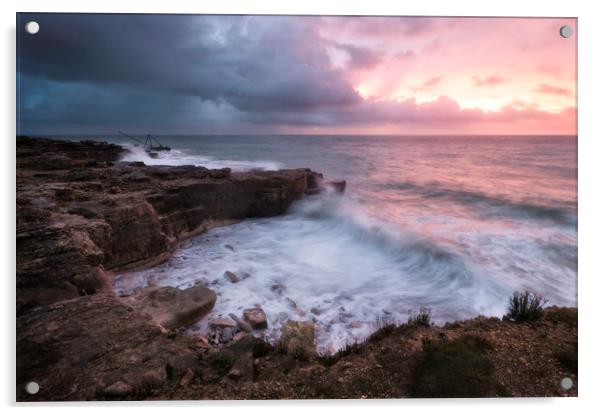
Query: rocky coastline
(83, 215)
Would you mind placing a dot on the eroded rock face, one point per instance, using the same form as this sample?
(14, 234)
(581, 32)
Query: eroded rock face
(81, 213)
(171, 307)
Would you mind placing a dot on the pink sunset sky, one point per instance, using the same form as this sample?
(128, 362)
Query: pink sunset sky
(298, 75)
(475, 75)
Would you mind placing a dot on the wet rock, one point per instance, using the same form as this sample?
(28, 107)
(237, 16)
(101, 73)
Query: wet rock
(239, 336)
(230, 247)
(243, 325)
(278, 288)
(297, 339)
(313, 181)
(232, 277)
(256, 318)
(221, 323)
(315, 310)
(172, 308)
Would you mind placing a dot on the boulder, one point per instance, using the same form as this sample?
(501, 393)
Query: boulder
(172, 308)
(297, 339)
(232, 277)
(256, 318)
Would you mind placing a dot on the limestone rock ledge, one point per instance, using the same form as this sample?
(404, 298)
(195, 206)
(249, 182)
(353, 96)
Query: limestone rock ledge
(82, 213)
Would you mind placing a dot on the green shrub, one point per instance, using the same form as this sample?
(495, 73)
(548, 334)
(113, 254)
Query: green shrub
(423, 318)
(458, 368)
(525, 306)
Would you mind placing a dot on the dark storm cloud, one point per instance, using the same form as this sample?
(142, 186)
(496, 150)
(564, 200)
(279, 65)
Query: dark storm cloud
(250, 63)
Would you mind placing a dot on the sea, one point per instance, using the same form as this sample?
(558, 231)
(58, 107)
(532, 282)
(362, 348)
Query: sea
(450, 225)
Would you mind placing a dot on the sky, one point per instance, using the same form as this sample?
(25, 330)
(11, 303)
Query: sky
(194, 74)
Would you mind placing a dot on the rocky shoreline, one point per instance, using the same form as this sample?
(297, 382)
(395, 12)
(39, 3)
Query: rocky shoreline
(83, 215)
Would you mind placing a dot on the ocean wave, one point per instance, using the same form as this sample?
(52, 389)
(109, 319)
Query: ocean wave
(495, 205)
(177, 157)
(327, 255)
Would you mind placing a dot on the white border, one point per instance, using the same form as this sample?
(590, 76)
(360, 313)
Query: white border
(590, 183)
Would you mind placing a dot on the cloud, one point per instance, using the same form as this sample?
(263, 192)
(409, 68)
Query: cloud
(252, 63)
(199, 74)
(360, 57)
(490, 80)
(432, 81)
(552, 90)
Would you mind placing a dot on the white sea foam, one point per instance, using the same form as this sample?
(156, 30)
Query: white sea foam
(177, 157)
(327, 256)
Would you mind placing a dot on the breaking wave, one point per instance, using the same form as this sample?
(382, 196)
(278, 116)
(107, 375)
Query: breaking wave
(328, 262)
(177, 157)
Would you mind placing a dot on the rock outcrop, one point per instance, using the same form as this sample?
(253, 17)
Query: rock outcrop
(81, 213)
(173, 308)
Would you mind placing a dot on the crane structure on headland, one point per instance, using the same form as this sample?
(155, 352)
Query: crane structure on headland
(151, 144)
